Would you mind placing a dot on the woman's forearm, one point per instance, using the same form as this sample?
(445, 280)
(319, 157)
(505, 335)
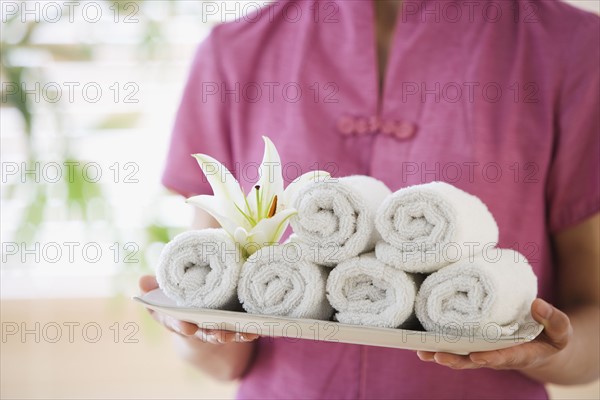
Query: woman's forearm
(224, 362)
(578, 362)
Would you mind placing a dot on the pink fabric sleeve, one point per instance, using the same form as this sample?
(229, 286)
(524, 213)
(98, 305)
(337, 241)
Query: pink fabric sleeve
(574, 176)
(200, 125)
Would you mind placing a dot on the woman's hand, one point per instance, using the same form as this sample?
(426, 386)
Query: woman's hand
(536, 354)
(189, 330)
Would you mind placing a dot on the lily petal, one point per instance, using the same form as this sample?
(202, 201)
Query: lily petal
(240, 235)
(269, 230)
(224, 185)
(219, 210)
(271, 178)
(289, 194)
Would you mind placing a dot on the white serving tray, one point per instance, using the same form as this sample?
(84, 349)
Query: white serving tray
(331, 331)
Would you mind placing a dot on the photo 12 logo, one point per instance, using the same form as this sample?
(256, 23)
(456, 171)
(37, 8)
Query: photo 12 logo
(68, 171)
(70, 11)
(71, 92)
(488, 11)
(289, 331)
(269, 92)
(69, 332)
(70, 252)
(469, 92)
(469, 171)
(250, 171)
(326, 12)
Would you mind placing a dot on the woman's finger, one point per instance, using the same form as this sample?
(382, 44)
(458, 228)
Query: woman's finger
(181, 327)
(184, 328)
(512, 358)
(450, 360)
(205, 336)
(148, 283)
(247, 337)
(223, 336)
(426, 355)
(557, 326)
(521, 356)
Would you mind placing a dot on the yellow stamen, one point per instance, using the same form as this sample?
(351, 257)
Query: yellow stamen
(273, 207)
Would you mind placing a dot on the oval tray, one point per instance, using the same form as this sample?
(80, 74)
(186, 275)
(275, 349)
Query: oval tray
(331, 331)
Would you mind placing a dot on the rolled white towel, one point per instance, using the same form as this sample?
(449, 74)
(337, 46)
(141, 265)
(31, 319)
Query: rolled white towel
(336, 217)
(490, 291)
(365, 291)
(279, 280)
(201, 268)
(426, 227)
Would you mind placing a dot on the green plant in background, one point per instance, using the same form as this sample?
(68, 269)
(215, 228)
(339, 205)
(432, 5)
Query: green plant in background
(76, 194)
(14, 74)
(78, 191)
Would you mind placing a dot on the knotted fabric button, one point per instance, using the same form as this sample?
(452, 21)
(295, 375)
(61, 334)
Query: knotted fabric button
(346, 125)
(361, 126)
(401, 130)
(374, 124)
(388, 127)
(404, 130)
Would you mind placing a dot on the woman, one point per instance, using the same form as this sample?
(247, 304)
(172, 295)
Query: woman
(497, 98)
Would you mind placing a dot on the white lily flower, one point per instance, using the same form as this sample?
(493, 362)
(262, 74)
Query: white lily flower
(259, 218)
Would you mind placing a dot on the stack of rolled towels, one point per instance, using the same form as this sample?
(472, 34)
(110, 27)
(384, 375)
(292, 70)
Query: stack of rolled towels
(363, 255)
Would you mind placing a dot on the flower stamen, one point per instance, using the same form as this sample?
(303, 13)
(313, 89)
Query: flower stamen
(273, 207)
(258, 201)
(248, 217)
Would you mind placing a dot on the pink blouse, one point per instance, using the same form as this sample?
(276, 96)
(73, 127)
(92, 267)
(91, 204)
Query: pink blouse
(499, 98)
